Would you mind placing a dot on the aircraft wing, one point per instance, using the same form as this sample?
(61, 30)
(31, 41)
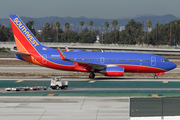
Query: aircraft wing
(86, 64)
(66, 48)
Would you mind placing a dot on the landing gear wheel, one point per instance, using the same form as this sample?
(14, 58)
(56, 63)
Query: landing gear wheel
(57, 87)
(155, 77)
(92, 75)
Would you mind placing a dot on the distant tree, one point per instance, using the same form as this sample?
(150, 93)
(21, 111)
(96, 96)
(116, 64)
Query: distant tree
(48, 33)
(30, 26)
(107, 25)
(81, 23)
(67, 29)
(67, 25)
(148, 23)
(88, 38)
(70, 36)
(114, 23)
(91, 24)
(57, 25)
(132, 34)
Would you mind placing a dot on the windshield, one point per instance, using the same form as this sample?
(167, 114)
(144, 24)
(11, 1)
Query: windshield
(164, 60)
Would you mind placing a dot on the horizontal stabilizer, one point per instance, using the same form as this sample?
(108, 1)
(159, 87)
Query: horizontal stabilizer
(19, 53)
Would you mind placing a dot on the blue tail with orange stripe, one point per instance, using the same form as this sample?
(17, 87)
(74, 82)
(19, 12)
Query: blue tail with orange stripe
(28, 47)
(26, 42)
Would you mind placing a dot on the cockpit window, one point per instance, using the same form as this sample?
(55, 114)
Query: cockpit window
(164, 60)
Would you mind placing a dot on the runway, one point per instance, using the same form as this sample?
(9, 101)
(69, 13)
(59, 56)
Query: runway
(37, 69)
(66, 108)
(97, 99)
(120, 87)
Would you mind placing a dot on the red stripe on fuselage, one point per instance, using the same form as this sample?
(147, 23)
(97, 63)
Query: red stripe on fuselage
(141, 69)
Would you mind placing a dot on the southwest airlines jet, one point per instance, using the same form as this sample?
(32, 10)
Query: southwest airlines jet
(108, 63)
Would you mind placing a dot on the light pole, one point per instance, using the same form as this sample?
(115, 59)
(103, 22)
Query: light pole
(102, 37)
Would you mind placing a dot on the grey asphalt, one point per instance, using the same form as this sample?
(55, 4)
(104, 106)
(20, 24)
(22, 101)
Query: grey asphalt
(38, 69)
(66, 108)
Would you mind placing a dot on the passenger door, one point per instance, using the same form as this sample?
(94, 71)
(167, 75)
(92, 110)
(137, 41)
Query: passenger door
(153, 61)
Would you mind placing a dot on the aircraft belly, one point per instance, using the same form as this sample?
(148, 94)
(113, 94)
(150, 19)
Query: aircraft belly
(141, 69)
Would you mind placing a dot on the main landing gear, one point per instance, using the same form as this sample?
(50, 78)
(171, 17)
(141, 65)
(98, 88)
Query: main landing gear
(91, 75)
(155, 77)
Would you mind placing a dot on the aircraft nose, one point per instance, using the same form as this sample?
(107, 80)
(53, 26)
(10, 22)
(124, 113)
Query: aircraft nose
(172, 65)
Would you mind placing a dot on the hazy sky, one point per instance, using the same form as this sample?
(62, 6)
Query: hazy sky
(88, 8)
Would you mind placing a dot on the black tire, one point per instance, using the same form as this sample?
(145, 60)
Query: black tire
(155, 77)
(65, 88)
(57, 87)
(91, 75)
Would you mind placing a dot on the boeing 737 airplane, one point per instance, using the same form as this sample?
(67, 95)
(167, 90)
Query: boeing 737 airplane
(108, 63)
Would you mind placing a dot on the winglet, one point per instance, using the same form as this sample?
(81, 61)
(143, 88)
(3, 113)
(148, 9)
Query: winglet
(63, 57)
(66, 48)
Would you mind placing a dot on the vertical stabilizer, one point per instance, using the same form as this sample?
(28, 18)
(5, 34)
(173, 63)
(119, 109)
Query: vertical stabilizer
(26, 42)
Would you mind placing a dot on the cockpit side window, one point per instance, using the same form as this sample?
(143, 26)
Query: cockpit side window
(164, 60)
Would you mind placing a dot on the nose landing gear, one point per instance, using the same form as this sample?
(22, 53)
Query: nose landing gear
(91, 75)
(156, 75)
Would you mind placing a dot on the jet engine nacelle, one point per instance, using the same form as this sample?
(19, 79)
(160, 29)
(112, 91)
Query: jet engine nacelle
(114, 71)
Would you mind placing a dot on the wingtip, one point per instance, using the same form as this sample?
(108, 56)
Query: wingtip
(63, 57)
